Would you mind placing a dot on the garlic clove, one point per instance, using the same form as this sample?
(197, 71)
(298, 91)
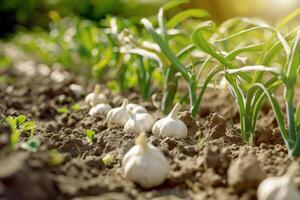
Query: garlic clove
(138, 122)
(157, 126)
(96, 97)
(173, 128)
(100, 109)
(76, 89)
(144, 157)
(279, 188)
(135, 108)
(170, 126)
(118, 115)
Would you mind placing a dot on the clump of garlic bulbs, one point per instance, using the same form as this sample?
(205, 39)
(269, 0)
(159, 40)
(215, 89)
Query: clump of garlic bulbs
(96, 97)
(138, 123)
(279, 188)
(145, 164)
(135, 108)
(119, 115)
(100, 109)
(171, 126)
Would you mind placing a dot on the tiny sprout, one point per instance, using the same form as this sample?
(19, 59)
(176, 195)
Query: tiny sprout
(108, 159)
(75, 107)
(89, 135)
(62, 110)
(55, 158)
(32, 144)
(19, 125)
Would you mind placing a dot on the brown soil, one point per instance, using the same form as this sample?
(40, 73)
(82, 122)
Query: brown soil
(211, 163)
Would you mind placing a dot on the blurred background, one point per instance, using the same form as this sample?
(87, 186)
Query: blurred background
(26, 14)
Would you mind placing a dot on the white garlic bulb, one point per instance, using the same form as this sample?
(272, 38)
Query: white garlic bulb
(170, 126)
(96, 97)
(135, 108)
(279, 188)
(119, 115)
(145, 164)
(138, 123)
(76, 89)
(100, 109)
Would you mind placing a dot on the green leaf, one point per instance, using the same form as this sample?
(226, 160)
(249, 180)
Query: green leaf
(202, 42)
(144, 53)
(294, 62)
(28, 126)
(178, 18)
(288, 18)
(166, 49)
(75, 107)
(21, 119)
(89, 134)
(63, 109)
(173, 3)
(274, 70)
(14, 138)
(108, 158)
(297, 116)
(11, 121)
(99, 67)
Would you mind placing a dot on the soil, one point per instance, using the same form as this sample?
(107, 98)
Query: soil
(212, 163)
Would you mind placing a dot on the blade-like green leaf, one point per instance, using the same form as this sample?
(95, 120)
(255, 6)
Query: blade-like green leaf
(201, 42)
(178, 18)
(288, 18)
(166, 49)
(173, 3)
(274, 70)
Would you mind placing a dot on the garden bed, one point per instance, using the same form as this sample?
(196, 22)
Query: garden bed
(211, 163)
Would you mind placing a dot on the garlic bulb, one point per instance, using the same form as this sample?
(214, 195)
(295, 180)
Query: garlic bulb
(279, 188)
(100, 109)
(138, 123)
(96, 97)
(76, 89)
(170, 126)
(119, 115)
(145, 164)
(135, 108)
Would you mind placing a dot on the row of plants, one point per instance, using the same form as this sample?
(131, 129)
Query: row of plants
(251, 57)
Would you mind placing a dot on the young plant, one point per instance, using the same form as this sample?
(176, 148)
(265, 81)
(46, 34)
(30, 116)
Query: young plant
(19, 125)
(173, 62)
(89, 135)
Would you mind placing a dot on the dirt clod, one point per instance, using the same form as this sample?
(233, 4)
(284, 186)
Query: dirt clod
(245, 173)
(215, 126)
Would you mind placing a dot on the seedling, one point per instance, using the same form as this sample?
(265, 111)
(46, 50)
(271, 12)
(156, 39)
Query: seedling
(108, 158)
(55, 158)
(74, 107)
(89, 135)
(18, 125)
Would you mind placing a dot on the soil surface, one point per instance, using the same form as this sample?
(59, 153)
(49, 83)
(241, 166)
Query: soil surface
(212, 163)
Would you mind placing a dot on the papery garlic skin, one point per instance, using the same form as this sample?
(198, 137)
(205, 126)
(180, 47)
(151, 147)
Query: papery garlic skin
(171, 126)
(100, 109)
(145, 164)
(119, 115)
(137, 123)
(135, 108)
(278, 188)
(96, 97)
